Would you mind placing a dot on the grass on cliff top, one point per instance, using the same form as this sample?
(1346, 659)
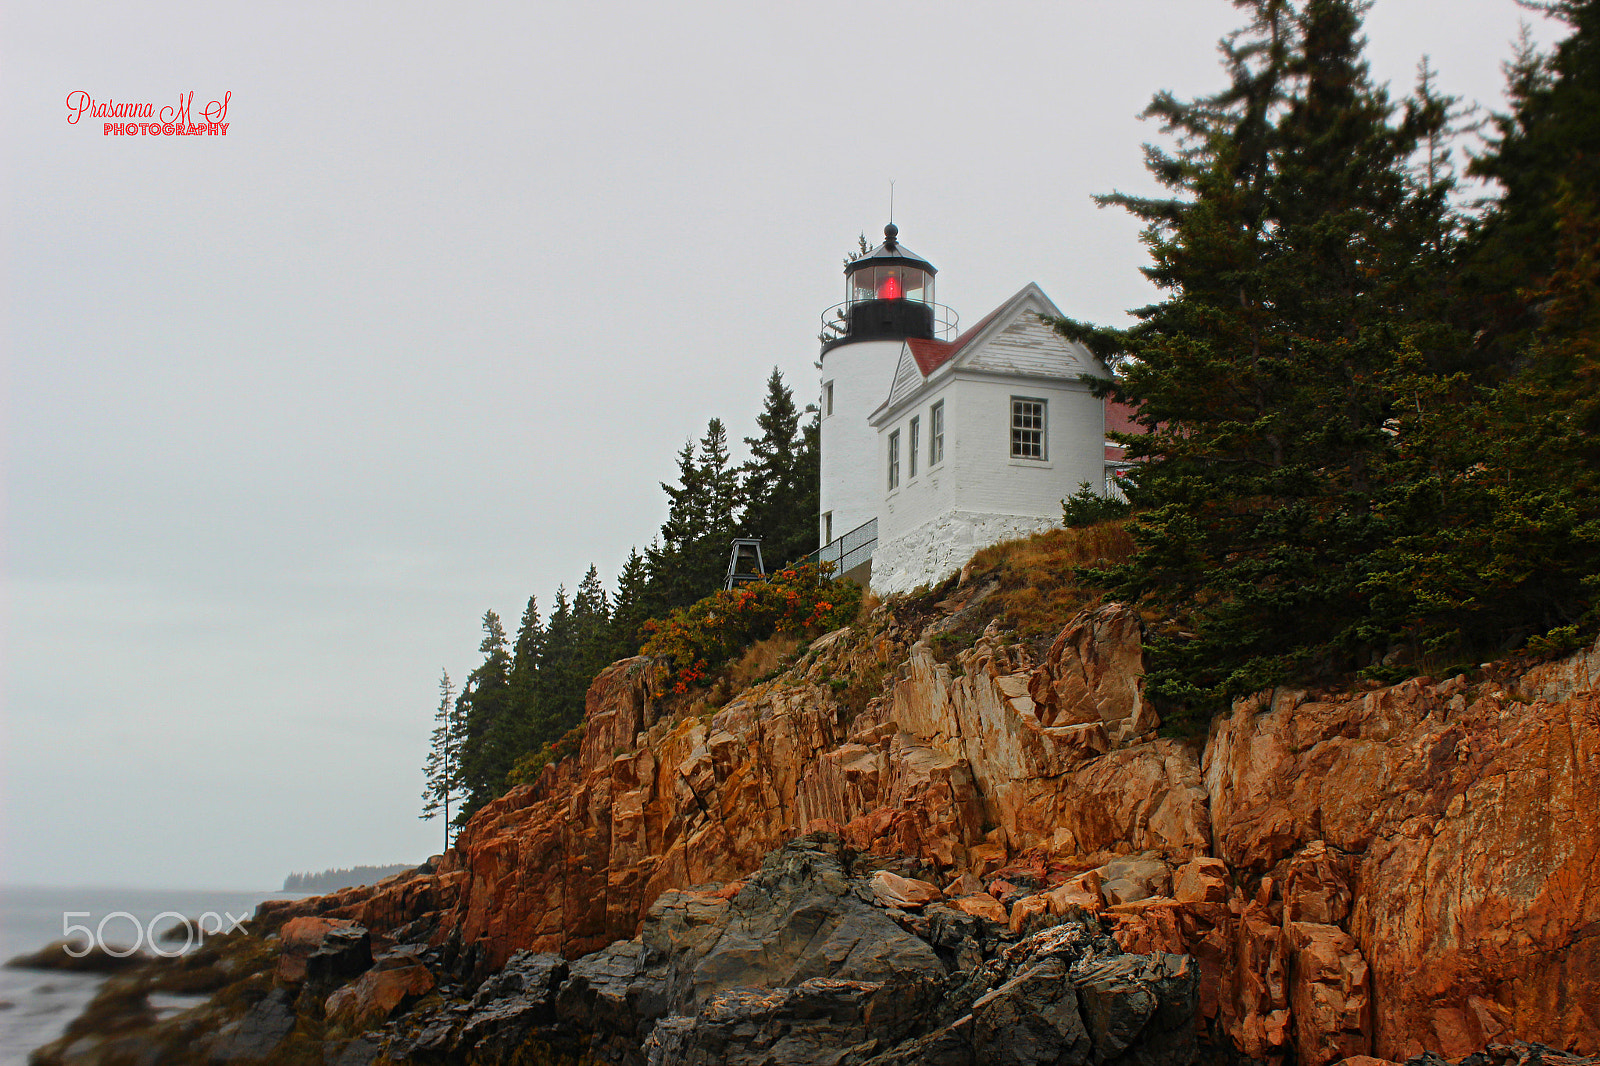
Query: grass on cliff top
(1040, 589)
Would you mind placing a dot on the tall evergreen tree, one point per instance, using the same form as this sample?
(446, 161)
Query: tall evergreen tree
(1292, 256)
(1510, 549)
(777, 483)
(701, 514)
(631, 607)
(442, 770)
(489, 744)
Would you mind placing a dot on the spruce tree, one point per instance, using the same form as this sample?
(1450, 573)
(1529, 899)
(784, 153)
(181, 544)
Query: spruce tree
(630, 607)
(490, 741)
(701, 514)
(778, 482)
(1291, 254)
(1510, 551)
(442, 770)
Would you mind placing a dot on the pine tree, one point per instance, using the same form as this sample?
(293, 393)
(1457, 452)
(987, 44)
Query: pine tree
(442, 769)
(489, 744)
(1511, 547)
(701, 514)
(631, 607)
(777, 483)
(526, 655)
(1292, 256)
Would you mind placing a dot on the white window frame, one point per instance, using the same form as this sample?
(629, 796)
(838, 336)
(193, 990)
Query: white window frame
(827, 528)
(912, 431)
(894, 460)
(936, 434)
(1021, 447)
(827, 399)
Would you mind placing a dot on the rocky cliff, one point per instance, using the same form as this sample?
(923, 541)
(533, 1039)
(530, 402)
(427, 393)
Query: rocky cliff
(1383, 872)
(1380, 872)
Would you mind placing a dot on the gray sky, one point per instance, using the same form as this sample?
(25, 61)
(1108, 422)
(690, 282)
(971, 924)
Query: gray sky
(290, 408)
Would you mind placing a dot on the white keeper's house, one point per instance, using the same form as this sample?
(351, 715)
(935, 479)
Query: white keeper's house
(936, 444)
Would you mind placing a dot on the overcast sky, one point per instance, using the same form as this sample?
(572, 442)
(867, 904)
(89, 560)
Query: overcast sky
(290, 408)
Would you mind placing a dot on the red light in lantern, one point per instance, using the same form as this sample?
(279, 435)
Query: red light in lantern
(890, 289)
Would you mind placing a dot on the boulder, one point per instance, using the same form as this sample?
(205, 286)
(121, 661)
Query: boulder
(323, 950)
(375, 994)
(1128, 880)
(892, 890)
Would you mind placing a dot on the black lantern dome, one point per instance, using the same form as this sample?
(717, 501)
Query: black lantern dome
(888, 296)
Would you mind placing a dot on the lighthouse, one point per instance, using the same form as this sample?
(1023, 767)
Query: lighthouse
(889, 299)
(936, 444)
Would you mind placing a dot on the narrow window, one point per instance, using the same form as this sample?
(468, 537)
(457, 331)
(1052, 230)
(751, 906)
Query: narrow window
(894, 460)
(1027, 429)
(827, 529)
(936, 433)
(911, 448)
(827, 399)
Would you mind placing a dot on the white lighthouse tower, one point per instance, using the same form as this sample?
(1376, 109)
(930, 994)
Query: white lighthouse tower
(889, 298)
(935, 445)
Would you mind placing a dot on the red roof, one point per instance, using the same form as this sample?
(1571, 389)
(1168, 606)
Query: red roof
(931, 355)
(1119, 418)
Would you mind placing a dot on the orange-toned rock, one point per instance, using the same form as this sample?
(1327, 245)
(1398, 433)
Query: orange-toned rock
(1201, 880)
(340, 943)
(1026, 909)
(1315, 885)
(1128, 880)
(375, 994)
(1453, 838)
(893, 890)
(982, 905)
(1094, 672)
(1329, 994)
(1442, 836)
(1082, 892)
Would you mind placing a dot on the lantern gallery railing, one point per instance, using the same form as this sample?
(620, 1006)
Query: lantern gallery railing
(836, 321)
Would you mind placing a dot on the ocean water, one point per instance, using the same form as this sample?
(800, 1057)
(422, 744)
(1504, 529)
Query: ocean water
(36, 1005)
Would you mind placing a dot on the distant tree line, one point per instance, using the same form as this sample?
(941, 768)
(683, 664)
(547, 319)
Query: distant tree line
(529, 690)
(333, 880)
(1373, 419)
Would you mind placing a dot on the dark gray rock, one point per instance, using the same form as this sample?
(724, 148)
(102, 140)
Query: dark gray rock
(514, 1005)
(610, 992)
(358, 1052)
(1140, 1008)
(820, 1022)
(1031, 1020)
(803, 968)
(343, 954)
(256, 1035)
(799, 917)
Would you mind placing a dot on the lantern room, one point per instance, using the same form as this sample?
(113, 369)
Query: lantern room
(888, 296)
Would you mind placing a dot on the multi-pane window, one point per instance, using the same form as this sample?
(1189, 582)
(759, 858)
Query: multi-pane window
(894, 460)
(911, 447)
(827, 398)
(1027, 429)
(936, 433)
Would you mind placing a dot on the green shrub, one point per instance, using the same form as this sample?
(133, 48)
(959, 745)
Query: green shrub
(1087, 507)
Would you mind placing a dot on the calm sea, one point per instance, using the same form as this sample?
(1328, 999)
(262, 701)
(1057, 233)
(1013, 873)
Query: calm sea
(36, 1005)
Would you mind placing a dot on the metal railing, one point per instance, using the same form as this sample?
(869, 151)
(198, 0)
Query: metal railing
(1113, 482)
(836, 324)
(849, 551)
